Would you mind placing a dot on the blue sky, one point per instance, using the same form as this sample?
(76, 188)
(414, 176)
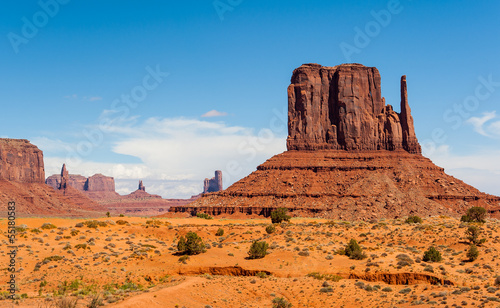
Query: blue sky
(150, 70)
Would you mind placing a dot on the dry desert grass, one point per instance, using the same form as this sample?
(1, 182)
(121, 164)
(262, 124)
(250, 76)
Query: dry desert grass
(133, 262)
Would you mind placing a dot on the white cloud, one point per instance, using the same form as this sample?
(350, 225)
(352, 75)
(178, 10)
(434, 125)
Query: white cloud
(214, 113)
(478, 124)
(177, 153)
(95, 98)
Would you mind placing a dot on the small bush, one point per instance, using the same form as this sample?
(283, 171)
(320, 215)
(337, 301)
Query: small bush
(472, 253)
(183, 259)
(204, 216)
(354, 251)
(192, 244)
(270, 229)
(47, 226)
(95, 301)
(279, 215)
(52, 258)
(474, 214)
(432, 255)
(66, 302)
(220, 232)
(121, 222)
(258, 250)
(413, 220)
(94, 224)
(472, 235)
(405, 291)
(280, 302)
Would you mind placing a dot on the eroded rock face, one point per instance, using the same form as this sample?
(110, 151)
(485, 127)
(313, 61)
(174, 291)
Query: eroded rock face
(214, 184)
(21, 161)
(341, 108)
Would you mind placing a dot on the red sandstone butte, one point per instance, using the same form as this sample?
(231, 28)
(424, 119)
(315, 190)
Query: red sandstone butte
(21, 161)
(341, 108)
(350, 156)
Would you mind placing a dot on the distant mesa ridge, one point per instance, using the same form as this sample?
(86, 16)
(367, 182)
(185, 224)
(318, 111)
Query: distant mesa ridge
(350, 156)
(95, 183)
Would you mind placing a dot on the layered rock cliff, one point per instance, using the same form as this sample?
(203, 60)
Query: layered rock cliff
(21, 161)
(341, 108)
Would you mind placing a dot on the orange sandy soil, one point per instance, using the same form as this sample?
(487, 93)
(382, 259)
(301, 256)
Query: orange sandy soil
(133, 265)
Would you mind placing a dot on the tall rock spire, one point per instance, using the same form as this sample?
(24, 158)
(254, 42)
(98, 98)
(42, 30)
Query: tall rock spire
(64, 177)
(410, 142)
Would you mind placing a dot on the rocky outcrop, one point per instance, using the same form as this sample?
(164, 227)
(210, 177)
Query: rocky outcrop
(341, 108)
(214, 184)
(141, 186)
(21, 161)
(349, 157)
(95, 183)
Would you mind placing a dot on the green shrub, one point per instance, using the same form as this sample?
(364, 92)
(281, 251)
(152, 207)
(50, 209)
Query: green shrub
(270, 229)
(258, 250)
(82, 246)
(121, 215)
(121, 222)
(472, 253)
(280, 302)
(475, 214)
(192, 244)
(472, 234)
(52, 258)
(108, 214)
(413, 220)
(94, 224)
(184, 259)
(48, 225)
(354, 251)
(220, 232)
(432, 255)
(204, 216)
(279, 215)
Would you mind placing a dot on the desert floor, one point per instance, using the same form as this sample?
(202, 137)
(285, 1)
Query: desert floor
(131, 262)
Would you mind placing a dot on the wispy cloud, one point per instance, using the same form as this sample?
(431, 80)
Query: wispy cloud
(214, 113)
(484, 125)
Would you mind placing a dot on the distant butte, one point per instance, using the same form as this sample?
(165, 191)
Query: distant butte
(350, 156)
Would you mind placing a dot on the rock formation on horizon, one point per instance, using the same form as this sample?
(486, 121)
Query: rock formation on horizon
(214, 184)
(341, 108)
(141, 186)
(95, 183)
(22, 179)
(350, 156)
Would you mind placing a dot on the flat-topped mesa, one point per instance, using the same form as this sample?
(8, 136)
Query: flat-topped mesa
(21, 161)
(341, 108)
